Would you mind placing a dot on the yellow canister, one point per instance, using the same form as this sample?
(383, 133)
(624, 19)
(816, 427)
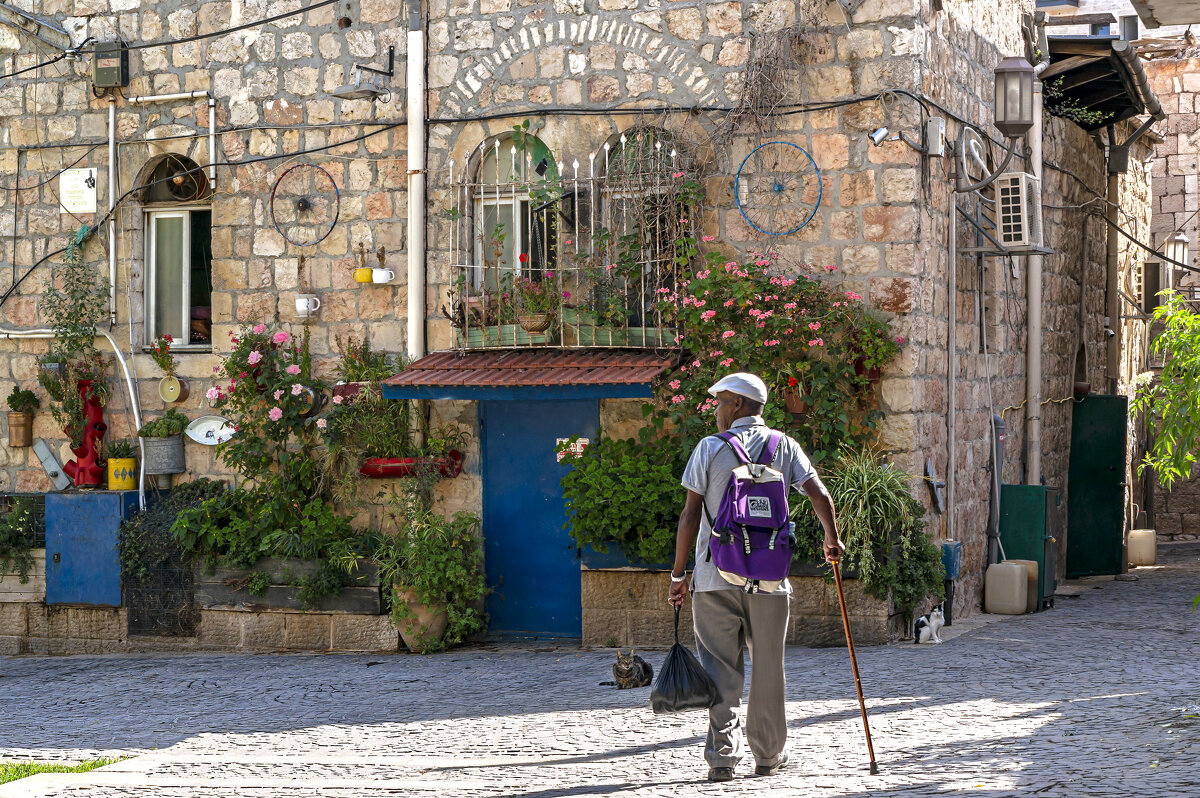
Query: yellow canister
(362, 275)
(122, 473)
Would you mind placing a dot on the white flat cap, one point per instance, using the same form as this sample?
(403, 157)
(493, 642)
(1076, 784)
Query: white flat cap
(743, 384)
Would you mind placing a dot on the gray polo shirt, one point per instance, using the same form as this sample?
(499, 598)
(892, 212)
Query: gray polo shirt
(707, 473)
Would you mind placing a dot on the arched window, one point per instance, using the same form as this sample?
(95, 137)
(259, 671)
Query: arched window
(176, 199)
(515, 226)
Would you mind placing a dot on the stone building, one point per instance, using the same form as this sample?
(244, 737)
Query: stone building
(710, 80)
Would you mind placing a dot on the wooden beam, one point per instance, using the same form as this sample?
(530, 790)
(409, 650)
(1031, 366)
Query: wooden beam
(1090, 74)
(1080, 19)
(1068, 64)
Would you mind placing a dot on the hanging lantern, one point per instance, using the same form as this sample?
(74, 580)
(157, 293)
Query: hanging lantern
(1176, 249)
(1014, 97)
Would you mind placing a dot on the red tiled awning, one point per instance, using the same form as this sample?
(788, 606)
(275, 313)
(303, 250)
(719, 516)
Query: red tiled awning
(529, 374)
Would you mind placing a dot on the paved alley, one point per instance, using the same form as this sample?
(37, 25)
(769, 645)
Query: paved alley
(1091, 698)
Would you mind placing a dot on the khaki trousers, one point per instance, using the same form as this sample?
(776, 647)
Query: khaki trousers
(725, 621)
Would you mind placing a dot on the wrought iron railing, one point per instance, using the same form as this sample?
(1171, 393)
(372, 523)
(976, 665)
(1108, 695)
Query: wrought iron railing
(557, 254)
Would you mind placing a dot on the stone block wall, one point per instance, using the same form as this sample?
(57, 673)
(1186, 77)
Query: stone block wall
(37, 628)
(273, 87)
(626, 607)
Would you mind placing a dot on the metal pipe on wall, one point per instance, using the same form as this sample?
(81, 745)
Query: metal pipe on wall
(1033, 340)
(45, 332)
(416, 181)
(952, 366)
(112, 204)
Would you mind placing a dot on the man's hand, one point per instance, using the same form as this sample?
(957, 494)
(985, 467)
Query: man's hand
(678, 593)
(834, 548)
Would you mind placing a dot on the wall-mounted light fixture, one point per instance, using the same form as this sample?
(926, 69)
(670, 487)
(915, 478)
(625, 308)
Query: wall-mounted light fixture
(1014, 97)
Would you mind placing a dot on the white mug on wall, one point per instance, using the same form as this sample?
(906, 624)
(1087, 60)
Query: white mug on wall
(382, 275)
(307, 305)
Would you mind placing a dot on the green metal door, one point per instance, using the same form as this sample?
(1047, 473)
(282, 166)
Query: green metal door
(1096, 486)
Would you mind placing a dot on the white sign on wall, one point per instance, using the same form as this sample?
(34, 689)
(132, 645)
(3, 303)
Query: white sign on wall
(77, 191)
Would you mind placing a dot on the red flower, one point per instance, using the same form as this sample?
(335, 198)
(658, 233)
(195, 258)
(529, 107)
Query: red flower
(793, 382)
(523, 258)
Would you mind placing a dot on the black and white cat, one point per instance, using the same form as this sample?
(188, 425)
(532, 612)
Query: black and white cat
(926, 627)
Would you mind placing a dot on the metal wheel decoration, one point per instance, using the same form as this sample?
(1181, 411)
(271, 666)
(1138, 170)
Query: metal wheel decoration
(304, 205)
(778, 188)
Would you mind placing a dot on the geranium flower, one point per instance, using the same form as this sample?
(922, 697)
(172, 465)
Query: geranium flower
(708, 239)
(281, 337)
(678, 174)
(772, 342)
(322, 423)
(275, 414)
(297, 389)
(676, 399)
(293, 369)
(727, 361)
(254, 358)
(708, 314)
(523, 258)
(259, 329)
(814, 325)
(213, 394)
(566, 294)
(793, 382)
(728, 334)
(900, 339)
(674, 385)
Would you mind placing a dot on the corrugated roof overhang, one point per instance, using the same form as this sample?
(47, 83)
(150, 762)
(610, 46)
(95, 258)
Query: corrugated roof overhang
(531, 374)
(1100, 74)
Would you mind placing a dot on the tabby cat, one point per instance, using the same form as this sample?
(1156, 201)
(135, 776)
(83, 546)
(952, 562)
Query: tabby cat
(630, 671)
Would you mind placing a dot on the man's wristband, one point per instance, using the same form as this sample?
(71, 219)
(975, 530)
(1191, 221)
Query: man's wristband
(683, 578)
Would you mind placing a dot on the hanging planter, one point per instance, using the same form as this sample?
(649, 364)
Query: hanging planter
(85, 470)
(860, 368)
(20, 429)
(163, 455)
(535, 322)
(171, 389)
(448, 467)
(794, 402)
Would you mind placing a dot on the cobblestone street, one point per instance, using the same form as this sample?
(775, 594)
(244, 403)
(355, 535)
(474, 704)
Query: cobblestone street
(1082, 700)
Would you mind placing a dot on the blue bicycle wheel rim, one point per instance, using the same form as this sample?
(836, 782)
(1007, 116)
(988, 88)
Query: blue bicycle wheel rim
(738, 180)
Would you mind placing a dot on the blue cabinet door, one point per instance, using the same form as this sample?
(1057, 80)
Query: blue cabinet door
(82, 563)
(532, 563)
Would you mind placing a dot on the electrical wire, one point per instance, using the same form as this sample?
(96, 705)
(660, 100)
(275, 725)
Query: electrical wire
(227, 31)
(74, 163)
(1144, 246)
(54, 60)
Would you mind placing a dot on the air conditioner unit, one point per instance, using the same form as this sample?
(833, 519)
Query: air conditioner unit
(1019, 211)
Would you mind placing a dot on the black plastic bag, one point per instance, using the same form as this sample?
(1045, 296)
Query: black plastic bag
(682, 682)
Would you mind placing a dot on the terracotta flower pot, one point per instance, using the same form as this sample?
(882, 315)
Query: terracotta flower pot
(794, 402)
(20, 429)
(425, 624)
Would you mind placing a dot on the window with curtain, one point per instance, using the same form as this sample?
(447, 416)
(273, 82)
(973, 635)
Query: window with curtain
(178, 283)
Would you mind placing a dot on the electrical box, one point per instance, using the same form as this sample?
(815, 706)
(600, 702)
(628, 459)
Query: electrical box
(110, 65)
(935, 137)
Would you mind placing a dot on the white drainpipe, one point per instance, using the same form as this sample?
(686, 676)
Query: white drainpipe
(416, 182)
(137, 416)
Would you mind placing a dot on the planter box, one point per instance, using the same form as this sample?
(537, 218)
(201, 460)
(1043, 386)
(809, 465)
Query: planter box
(449, 466)
(224, 588)
(500, 335)
(11, 589)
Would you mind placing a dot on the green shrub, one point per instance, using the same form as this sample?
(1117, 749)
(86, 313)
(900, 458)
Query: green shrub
(627, 493)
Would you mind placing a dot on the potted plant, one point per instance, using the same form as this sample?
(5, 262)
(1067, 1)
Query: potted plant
(431, 570)
(74, 299)
(795, 391)
(170, 388)
(360, 368)
(440, 456)
(122, 465)
(21, 404)
(871, 345)
(162, 443)
(537, 300)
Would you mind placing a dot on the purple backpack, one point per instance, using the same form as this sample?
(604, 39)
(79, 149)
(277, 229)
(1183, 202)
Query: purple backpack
(751, 537)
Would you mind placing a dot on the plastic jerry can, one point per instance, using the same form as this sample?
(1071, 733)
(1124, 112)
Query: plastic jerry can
(1142, 549)
(1006, 588)
(1032, 599)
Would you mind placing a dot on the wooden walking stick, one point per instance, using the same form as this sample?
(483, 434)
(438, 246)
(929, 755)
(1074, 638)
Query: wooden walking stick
(862, 706)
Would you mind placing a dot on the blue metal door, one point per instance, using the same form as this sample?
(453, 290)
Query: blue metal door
(532, 563)
(82, 563)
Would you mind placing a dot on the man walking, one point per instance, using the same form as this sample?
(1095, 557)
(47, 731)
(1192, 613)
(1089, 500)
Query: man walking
(725, 615)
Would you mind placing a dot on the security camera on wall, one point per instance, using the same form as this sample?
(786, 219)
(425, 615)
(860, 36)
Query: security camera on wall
(879, 135)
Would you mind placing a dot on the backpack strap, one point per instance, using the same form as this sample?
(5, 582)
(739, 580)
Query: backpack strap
(735, 445)
(767, 455)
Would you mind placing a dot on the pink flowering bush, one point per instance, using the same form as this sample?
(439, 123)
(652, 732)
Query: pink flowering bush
(261, 389)
(793, 327)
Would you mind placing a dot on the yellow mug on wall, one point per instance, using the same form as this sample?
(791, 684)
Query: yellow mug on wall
(362, 275)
